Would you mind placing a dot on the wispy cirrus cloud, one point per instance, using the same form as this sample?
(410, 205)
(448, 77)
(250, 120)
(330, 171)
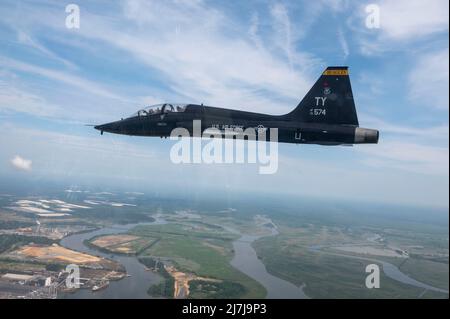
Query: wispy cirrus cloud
(282, 26)
(263, 59)
(344, 44)
(421, 150)
(413, 157)
(211, 66)
(25, 38)
(429, 80)
(16, 99)
(439, 133)
(72, 80)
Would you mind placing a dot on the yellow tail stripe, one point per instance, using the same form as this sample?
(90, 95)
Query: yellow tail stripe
(335, 72)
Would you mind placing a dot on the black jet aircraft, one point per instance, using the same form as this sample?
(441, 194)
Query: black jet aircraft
(325, 116)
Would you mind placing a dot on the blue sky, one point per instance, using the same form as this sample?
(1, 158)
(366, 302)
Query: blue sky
(255, 55)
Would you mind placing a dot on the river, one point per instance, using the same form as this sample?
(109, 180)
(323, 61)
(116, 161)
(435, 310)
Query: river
(136, 285)
(133, 287)
(245, 259)
(389, 270)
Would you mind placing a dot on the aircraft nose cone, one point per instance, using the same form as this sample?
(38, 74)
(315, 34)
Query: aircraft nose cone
(109, 127)
(100, 127)
(117, 127)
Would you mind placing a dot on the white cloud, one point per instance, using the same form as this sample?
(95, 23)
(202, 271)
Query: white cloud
(21, 163)
(336, 5)
(422, 150)
(422, 159)
(402, 22)
(429, 80)
(438, 133)
(253, 30)
(410, 19)
(16, 99)
(211, 66)
(64, 77)
(215, 62)
(343, 43)
(25, 38)
(282, 26)
(61, 103)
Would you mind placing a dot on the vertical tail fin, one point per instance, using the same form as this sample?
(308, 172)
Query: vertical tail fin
(329, 101)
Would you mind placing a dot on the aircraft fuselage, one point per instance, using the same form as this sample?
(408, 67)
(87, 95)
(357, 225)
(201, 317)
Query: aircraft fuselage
(326, 115)
(289, 131)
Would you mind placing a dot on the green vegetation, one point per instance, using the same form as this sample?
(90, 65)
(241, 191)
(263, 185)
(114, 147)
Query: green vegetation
(427, 271)
(9, 242)
(140, 245)
(54, 267)
(114, 215)
(7, 265)
(205, 253)
(191, 229)
(203, 246)
(166, 287)
(13, 224)
(217, 290)
(326, 276)
(328, 273)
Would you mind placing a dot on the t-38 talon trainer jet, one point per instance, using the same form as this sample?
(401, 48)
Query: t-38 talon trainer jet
(325, 116)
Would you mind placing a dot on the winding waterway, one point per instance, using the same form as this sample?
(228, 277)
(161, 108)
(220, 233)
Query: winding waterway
(246, 260)
(135, 286)
(389, 270)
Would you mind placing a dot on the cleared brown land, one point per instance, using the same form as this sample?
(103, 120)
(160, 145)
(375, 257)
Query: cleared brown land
(112, 240)
(57, 253)
(181, 283)
(124, 244)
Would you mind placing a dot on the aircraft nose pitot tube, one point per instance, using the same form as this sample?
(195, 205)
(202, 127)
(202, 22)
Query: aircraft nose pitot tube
(364, 135)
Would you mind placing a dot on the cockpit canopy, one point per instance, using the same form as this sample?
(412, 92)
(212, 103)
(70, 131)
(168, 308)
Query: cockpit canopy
(161, 109)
